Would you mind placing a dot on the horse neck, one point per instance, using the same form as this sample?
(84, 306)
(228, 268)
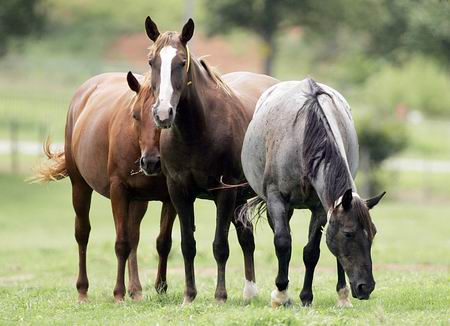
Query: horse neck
(330, 185)
(192, 111)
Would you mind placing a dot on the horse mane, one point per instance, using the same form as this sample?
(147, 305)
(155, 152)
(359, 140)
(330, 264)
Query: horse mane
(167, 38)
(215, 75)
(320, 147)
(145, 90)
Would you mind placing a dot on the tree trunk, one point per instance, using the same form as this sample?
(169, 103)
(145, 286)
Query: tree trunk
(268, 53)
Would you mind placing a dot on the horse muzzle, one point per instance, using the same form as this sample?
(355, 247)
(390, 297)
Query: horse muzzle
(150, 166)
(362, 291)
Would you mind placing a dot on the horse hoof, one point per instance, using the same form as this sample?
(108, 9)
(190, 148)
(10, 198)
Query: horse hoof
(344, 303)
(137, 296)
(221, 301)
(118, 299)
(221, 297)
(161, 287)
(250, 290)
(343, 300)
(280, 299)
(82, 298)
(187, 301)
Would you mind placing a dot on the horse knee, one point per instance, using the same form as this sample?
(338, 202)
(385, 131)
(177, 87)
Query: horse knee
(122, 248)
(82, 232)
(283, 244)
(246, 239)
(188, 249)
(221, 250)
(163, 246)
(310, 256)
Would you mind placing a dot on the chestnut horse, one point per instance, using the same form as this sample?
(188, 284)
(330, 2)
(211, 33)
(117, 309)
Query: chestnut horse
(108, 131)
(207, 116)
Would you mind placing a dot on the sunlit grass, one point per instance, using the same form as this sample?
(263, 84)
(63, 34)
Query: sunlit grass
(38, 267)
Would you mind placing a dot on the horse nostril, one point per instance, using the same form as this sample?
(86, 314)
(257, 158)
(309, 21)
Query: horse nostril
(157, 165)
(170, 113)
(142, 162)
(363, 289)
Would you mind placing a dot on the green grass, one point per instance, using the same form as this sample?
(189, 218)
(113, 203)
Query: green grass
(38, 267)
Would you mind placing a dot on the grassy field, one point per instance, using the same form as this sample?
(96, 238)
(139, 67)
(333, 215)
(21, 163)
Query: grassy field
(38, 267)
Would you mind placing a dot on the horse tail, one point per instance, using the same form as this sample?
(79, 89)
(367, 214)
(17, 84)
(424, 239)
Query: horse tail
(253, 209)
(55, 167)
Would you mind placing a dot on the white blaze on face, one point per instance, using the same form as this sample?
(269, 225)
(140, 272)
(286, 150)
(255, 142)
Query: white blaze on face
(165, 89)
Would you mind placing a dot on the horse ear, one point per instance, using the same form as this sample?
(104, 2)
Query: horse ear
(151, 29)
(188, 31)
(347, 199)
(370, 203)
(133, 83)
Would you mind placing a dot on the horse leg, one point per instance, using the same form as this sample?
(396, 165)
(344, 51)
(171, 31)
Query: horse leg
(247, 243)
(279, 214)
(225, 203)
(136, 211)
(185, 209)
(119, 201)
(311, 253)
(164, 244)
(341, 288)
(81, 199)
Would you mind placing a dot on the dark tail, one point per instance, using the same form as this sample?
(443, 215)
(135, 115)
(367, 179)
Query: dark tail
(53, 169)
(254, 209)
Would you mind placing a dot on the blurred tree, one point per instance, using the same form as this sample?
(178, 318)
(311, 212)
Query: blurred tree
(380, 136)
(18, 19)
(263, 17)
(392, 30)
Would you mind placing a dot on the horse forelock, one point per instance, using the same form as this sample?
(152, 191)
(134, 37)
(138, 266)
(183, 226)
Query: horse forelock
(320, 147)
(360, 212)
(165, 39)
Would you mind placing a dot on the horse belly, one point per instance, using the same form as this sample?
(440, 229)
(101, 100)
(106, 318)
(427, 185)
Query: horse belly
(253, 157)
(90, 148)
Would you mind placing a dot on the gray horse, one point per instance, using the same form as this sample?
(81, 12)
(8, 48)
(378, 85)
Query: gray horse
(301, 151)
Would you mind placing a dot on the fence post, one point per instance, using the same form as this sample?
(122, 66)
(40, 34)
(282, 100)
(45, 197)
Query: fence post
(42, 132)
(14, 140)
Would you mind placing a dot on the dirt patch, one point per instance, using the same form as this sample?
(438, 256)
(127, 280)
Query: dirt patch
(133, 48)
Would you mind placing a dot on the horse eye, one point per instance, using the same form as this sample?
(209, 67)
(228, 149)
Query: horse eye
(183, 63)
(135, 116)
(150, 63)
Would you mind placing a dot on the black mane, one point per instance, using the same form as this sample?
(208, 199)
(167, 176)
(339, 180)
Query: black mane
(320, 146)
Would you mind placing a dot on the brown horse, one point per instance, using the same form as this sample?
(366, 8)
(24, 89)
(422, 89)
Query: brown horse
(109, 130)
(207, 117)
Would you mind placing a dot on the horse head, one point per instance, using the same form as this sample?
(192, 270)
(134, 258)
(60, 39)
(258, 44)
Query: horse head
(148, 134)
(349, 237)
(170, 60)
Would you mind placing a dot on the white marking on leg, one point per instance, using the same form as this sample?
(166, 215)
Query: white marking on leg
(165, 88)
(280, 298)
(250, 290)
(343, 300)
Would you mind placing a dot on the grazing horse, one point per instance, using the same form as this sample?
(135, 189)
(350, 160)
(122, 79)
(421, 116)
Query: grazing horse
(109, 130)
(205, 117)
(301, 151)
